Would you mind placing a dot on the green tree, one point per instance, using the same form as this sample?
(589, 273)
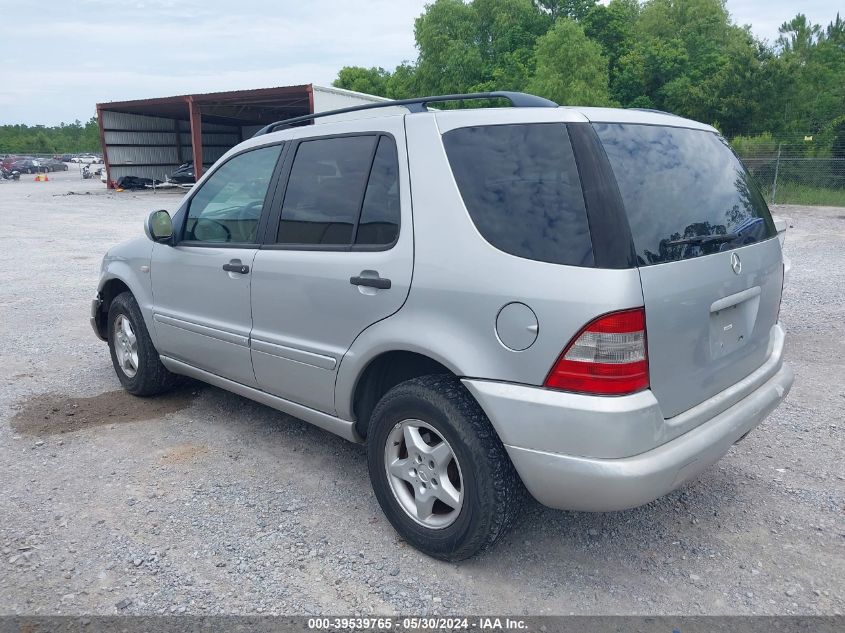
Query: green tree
(571, 69)
(612, 26)
(369, 80)
(402, 84)
(798, 36)
(450, 59)
(684, 56)
(575, 9)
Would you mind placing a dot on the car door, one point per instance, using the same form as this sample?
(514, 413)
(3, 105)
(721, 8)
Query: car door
(201, 285)
(339, 259)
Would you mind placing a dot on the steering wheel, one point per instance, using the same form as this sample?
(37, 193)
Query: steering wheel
(198, 230)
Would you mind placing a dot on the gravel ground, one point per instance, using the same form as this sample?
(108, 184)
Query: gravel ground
(204, 502)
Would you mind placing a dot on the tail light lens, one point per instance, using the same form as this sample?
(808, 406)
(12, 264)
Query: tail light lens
(607, 357)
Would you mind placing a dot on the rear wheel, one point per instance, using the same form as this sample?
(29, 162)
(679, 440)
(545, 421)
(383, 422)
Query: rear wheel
(439, 471)
(135, 359)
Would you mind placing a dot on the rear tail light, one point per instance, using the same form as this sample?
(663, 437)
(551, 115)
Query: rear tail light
(607, 357)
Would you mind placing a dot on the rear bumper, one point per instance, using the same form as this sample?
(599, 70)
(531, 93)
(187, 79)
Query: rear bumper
(570, 450)
(581, 483)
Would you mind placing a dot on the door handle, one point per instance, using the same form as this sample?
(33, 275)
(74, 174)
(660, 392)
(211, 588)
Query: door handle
(373, 282)
(235, 266)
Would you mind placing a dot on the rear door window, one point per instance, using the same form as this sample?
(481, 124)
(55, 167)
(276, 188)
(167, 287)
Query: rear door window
(325, 190)
(520, 185)
(686, 194)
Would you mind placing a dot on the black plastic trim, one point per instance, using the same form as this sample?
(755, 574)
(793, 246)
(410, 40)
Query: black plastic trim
(613, 243)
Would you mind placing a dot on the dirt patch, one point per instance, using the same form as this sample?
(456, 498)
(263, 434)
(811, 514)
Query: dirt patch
(184, 453)
(54, 413)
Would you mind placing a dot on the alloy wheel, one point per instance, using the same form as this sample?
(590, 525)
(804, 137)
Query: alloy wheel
(424, 474)
(125, 346)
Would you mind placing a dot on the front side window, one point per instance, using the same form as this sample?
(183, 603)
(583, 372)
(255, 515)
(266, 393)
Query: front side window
(521, 187)
(228, 206)
(685, 193)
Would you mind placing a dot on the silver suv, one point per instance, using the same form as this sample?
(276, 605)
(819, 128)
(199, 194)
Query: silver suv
(580, 301)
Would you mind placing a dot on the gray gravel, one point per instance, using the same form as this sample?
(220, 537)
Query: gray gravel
(208, 503)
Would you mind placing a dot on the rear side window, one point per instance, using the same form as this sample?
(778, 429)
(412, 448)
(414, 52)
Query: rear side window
(521, 188)
(685, 192)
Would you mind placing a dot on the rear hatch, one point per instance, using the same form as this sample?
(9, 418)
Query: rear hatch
(710, 268)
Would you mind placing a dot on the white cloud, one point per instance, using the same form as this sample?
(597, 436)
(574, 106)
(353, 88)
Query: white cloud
(62, 61)
(765, 17)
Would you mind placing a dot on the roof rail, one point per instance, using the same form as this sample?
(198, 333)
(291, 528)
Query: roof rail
(655, 111)
(517, 99)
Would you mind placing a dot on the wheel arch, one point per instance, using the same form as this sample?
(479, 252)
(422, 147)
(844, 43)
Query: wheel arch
(108, 291)
(382, 373)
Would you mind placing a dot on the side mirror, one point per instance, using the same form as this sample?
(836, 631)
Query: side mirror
(159, 227)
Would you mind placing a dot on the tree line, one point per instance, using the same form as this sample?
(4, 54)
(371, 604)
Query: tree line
(681, 56)
(76, 137)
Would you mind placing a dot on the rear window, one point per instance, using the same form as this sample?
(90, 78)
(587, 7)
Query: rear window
(521, 188)
(685, 192)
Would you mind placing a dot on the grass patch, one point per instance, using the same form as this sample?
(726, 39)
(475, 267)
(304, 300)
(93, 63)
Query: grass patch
(791, 193)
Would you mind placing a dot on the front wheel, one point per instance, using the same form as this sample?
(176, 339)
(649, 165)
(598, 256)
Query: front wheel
(135, 359)
(438, 469)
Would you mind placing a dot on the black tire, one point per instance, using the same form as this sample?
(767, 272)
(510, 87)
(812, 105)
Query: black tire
(151, 377)
(492, 491)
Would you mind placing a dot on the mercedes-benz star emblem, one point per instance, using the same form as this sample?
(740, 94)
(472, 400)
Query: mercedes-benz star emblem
(736, 263)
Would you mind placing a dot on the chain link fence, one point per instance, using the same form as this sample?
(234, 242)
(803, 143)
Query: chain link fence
(787, 174)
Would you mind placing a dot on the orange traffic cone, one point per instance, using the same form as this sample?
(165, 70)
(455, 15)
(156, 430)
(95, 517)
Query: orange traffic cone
(41, 178)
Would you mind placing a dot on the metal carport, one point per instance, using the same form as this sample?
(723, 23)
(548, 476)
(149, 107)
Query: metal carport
(149, 138)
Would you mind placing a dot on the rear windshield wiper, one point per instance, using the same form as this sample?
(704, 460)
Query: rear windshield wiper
(704, 239)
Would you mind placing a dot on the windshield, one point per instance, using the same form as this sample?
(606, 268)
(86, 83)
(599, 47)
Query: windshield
(685, 192)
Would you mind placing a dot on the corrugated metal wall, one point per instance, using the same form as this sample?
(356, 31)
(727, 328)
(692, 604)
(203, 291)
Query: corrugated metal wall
(147, 146)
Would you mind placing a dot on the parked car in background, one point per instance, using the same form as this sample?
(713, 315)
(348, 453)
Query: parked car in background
(26, 166)
(583, 302)
(9, 160)
(66, 158)
(53, 165)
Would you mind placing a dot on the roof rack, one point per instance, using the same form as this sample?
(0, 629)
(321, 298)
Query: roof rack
(517, 99)
(655, 111)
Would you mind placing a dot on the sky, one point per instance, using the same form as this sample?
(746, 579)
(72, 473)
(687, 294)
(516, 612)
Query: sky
(61, 58)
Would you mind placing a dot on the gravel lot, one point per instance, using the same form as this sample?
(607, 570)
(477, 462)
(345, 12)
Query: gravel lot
(204, 502)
